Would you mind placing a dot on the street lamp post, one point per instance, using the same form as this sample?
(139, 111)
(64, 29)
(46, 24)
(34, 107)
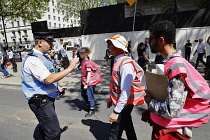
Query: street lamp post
(175, 11)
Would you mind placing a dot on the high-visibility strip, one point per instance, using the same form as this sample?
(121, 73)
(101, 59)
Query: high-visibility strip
(131, 2)
(136, 95)
(45, 92)
(197, 87)
(115, 84)
(89, 64)
(92, 72)
(28, 79)
(194, 115)
(92, 79)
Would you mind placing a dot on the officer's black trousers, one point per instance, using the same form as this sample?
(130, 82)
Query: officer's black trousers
(124, 122)
(48, 127)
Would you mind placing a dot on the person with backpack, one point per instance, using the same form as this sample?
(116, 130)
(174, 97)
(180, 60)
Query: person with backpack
(90, 77)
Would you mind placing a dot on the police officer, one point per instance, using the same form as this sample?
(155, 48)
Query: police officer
(39, 84)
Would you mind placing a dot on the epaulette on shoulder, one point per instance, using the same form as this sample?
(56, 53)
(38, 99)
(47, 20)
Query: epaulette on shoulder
(31, 53)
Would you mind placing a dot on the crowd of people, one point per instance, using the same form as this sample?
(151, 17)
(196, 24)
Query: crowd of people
(188, 94)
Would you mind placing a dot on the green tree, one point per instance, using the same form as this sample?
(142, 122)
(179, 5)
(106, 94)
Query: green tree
(72, 8)
(28, 10)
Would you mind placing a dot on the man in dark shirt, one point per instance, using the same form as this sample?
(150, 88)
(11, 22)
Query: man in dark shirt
(188, 47)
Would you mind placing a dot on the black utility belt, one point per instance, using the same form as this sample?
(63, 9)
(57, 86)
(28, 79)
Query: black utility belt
(40, 98)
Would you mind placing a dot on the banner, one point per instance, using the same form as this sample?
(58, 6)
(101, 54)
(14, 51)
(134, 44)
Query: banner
(131, 2)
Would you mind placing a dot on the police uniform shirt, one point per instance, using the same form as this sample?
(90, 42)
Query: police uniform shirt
(33, 65)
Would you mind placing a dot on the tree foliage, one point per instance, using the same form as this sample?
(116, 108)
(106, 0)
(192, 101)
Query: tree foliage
(28, 10)
(72, 8)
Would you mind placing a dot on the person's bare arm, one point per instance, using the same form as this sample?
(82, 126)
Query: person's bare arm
(54, 77)
(208, 40)
(145, 56)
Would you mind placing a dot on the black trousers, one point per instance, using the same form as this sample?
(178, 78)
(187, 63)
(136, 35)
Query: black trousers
(14, 65)
(187, 54)
(124, 122)
(48, 127)
(200, 58)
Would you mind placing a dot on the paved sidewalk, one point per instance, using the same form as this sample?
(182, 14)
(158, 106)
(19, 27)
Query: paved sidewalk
(72, 80)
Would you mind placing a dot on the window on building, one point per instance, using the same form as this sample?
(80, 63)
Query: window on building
(48, 9)
(25, 32)
(49, 17)
(24, 23)
(53, 10)
(54, 24)
(58, 12)
(50, 24)
(19, 32)
(62, 12)
(63, 20)
(13, 34)
(5, 25)
(18, 23)
(12, 24)
(59, 25)
(71, 20)
(0, 26)
(53, 3)
(67, 25)
(63, 25)
(59, 18)
(54, 17)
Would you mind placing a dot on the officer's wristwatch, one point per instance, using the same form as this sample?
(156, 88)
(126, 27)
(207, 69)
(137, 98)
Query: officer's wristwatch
(87, 84)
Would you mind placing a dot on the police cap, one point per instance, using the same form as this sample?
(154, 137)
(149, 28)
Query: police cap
(44, 35)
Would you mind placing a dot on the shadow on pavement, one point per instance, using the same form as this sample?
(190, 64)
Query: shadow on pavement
(99, 129)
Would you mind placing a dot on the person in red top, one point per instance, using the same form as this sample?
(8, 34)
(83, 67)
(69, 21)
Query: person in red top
(187, 103)
(90, 77)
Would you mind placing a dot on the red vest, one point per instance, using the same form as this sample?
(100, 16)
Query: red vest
(95, 77)
(137, 91)
(196, 110)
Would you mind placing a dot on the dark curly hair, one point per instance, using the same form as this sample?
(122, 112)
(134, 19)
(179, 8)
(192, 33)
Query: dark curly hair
(165, 29)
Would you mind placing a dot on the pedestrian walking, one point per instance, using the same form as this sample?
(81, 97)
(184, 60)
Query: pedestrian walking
(188, 47)
(12, 60)
(39, 85)
(107, 56)
(142, 57)
(201, 50)
(125, 87)
(3, 66)
(187, 103)
(54, 60)
(64, 57)
(147, 51)
(78, 55)
(90, 77)
(130, 49)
